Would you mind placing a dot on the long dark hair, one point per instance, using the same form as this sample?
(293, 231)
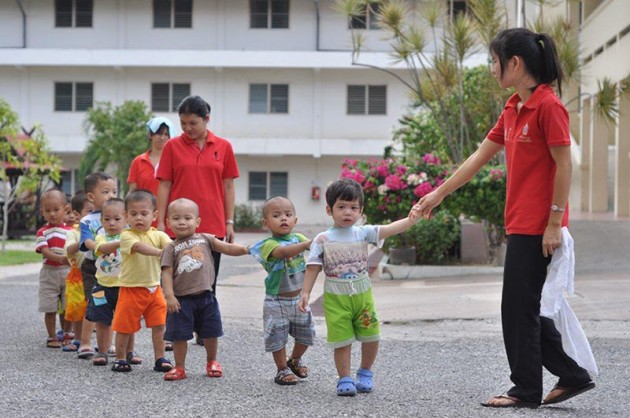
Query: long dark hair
(194, 105)
(538, 51)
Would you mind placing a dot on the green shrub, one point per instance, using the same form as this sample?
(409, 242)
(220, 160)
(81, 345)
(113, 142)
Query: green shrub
(433, 238)
(247, 216)
(483, 199)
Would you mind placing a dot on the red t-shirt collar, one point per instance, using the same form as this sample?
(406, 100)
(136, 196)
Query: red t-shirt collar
(534, 100)
(209, 138)
(145, 156)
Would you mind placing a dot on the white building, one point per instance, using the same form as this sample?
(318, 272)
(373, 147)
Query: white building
(604, 151)
(277, 73)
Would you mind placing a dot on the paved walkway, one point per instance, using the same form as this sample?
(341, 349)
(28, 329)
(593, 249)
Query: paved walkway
(441, 352)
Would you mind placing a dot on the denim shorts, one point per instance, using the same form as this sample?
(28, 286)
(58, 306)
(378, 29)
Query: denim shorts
(199, 313)
(102, 304)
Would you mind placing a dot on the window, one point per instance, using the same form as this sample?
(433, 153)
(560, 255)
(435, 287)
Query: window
(76, 97)
(367, 100)
(263, 185)
(367, 19)
(267, 14)
(268, 98)
(166, 97)
(67, 177)
(73, 13)
(456, 8)
(172, 13)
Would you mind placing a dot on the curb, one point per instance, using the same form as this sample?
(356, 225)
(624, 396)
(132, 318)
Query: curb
(396, 272)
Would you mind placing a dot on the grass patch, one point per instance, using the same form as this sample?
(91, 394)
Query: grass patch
(13, 257)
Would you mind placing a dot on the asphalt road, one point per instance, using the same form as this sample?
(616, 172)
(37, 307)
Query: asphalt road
(440, 365)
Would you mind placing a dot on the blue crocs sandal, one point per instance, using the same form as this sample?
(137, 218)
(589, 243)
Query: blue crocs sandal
(346, 387)
(364, 382)
(72, 346)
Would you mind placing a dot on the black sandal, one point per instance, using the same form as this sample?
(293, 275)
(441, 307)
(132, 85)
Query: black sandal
(282, 375)
(121, 366)
(297, 367)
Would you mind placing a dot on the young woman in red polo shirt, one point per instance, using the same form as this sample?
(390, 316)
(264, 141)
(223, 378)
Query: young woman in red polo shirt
(534, 130)
(200, 166)
(142, 169)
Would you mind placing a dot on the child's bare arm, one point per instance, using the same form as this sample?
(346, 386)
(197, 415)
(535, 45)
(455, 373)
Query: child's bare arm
(172, 304)
(90, 244)
(394, 228)
(310, 276)
(72, 249)
(288, 251)
(229, 248)
(108, 248)
(146, 249)
(54, 257)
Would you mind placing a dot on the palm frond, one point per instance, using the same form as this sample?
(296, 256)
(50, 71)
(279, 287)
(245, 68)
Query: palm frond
(460, 37)
(606, 104)
(392, 15)
(488, 17)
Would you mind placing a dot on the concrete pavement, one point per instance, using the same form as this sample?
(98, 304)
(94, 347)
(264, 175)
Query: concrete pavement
(441, 352)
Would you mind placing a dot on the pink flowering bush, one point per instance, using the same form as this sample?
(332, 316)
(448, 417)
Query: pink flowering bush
(392, 186)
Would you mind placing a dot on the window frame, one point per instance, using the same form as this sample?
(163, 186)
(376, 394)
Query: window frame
(76, 96)
(171, 100)
(367, 106)
(367, 20)
(178, 11)
(454, 11)
(269, 189)
(270, 98)
(272, 18)
(79, 14)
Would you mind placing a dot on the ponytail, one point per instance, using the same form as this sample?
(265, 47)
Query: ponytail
(552, 70)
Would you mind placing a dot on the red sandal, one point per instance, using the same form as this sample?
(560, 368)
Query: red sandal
(213, 369)
(175, 374)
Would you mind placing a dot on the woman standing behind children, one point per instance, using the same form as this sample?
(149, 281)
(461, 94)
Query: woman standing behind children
(188, 277)
(199, 166)
(534, 129)
(143, 167)
(342, 252)
(282, 256)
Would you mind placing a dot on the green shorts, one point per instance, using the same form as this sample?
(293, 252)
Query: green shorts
(349, 311)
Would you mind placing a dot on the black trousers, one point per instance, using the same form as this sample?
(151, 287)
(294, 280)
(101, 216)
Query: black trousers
(531, 341)
(216, 258)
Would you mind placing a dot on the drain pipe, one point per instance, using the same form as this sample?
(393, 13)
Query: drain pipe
(316, 4)
(19, 4)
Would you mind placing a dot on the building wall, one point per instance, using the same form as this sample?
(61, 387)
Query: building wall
(604, 44)
(309, 142)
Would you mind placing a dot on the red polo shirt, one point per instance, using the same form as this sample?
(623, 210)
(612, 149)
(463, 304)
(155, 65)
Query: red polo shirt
(198, 174)
(142, 173)
(543, 122)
